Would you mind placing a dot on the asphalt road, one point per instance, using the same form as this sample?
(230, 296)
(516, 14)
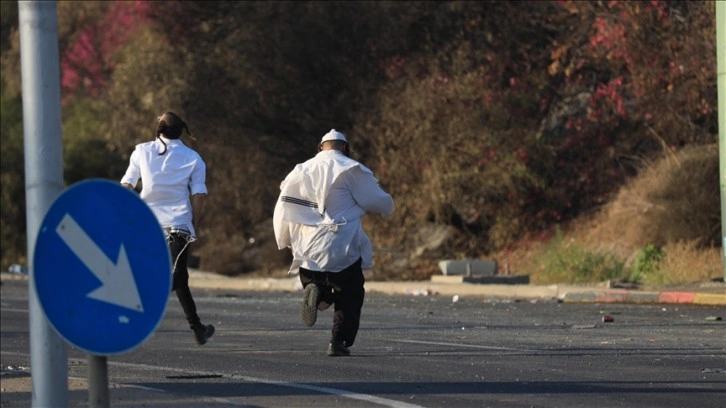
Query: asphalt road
(412, 351)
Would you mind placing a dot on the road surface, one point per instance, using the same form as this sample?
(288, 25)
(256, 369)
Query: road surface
(412, 351)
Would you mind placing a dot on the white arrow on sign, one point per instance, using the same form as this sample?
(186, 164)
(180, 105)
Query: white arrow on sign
(118, 286)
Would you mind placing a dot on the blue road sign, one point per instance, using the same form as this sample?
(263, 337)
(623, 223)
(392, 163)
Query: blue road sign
(102, 268)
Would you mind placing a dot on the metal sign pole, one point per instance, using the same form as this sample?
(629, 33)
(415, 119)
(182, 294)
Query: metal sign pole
(721, 69)
(98, 382)
(43, 182)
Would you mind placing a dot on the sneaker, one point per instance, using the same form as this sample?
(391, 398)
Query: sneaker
(202, 333)
(309, 305)
(338, 349)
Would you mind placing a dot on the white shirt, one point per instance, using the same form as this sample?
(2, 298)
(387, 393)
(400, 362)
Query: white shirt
(318, 214)
(168, 180)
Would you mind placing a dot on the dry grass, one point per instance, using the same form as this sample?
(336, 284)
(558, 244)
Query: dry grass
(673, 204)
(686, 263)
(674, 199)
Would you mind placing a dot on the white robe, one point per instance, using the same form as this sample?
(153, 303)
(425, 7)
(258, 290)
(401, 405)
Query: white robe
(321, 239)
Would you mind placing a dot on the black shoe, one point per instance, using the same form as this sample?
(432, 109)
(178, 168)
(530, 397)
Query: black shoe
(309, 305)
(202, 333)
(338, 349)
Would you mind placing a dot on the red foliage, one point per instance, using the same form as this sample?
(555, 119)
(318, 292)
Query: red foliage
(522, 156)
(611, 94)
(86, 64)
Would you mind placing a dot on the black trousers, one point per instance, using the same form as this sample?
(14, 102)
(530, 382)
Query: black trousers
(345, 291)
(180, 281)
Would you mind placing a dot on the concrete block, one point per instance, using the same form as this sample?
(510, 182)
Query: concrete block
(491, 280)
(499, 279)
(469, 267)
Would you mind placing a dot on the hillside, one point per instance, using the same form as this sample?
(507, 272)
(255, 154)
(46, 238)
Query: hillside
(661, 228)
(498, 127)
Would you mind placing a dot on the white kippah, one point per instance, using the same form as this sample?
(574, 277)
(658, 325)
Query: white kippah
(333, 135)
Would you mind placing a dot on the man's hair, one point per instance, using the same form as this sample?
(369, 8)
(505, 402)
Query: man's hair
(337, 145)
(170, 125)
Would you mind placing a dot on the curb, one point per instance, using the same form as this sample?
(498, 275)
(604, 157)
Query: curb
(563, 293)
(714, 295)
(630, 296)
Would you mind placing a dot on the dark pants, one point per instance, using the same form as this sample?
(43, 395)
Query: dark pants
(180, 284)
(345, 290)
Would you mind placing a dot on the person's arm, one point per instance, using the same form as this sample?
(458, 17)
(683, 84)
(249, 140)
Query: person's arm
(198, 191)
(198, 202)
(368, 193)
(131, 178)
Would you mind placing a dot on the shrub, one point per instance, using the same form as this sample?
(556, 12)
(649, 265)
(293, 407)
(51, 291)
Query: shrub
(673, 199)
(686, 262)
(568, 262)
(12, 182)
(645, 263)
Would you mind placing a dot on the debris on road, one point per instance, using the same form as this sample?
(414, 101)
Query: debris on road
(418, 292)
(17, 269)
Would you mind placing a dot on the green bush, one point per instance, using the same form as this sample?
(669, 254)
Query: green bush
(646, 261)
(568, 262)
(12, 182)
(86, 152)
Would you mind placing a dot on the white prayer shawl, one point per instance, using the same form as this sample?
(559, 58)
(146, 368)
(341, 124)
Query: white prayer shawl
(323, 243)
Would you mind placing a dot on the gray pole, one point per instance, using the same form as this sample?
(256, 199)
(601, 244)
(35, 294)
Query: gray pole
(98, 396)
(40, 69)
(721, 69)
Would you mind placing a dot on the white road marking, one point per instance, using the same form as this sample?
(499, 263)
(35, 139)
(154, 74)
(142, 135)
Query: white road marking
(335, 391)
(215, 399)
(324, 390)
(10, 309)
